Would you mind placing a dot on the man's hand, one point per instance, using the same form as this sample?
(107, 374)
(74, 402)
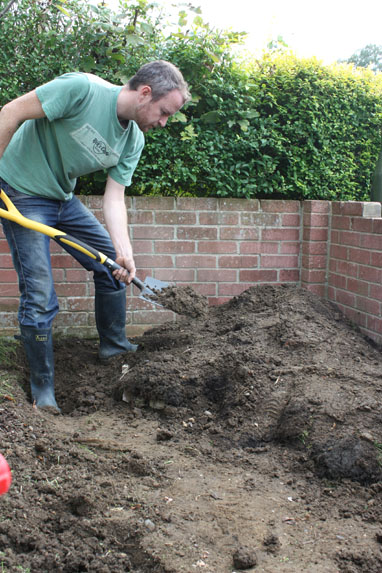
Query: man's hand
(114, 211)
(127, 273)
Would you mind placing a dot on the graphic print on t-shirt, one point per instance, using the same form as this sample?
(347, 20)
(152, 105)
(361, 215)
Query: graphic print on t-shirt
(95, 144)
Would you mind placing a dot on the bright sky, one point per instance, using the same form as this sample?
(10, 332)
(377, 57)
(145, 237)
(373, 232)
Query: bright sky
(327, 29)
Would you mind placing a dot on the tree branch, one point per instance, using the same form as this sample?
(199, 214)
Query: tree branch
(8, 7)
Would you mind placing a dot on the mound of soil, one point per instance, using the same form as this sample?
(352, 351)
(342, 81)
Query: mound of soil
(244, 437)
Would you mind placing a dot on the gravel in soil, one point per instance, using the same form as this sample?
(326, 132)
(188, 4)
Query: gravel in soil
(243, 437)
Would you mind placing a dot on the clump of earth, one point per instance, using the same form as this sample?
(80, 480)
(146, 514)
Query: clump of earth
(245, 436)
(182, 300)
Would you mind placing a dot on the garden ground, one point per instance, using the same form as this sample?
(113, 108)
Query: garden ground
(243, 437)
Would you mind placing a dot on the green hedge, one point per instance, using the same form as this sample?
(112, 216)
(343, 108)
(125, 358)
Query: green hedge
(278, 127)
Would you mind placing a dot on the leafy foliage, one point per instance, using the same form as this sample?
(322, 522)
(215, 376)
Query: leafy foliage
(273, 127)
(368, 57)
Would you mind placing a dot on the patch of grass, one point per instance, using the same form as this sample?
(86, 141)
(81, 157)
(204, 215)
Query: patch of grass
(7, 352)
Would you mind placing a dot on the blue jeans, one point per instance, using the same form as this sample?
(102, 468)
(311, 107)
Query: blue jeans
(31, 254)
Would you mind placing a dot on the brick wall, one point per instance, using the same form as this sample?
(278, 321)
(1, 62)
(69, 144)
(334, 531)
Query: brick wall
(223, 246)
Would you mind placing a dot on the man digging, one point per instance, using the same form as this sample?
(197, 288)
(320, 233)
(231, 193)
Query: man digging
(72, 126)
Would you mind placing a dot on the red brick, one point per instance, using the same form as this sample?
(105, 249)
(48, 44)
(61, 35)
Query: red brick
(238, 205)
(219, 218)
(197, 233)
(355, 316)
(6, 262)
(314, 206)
(338, 252)
(211, 275)
(315, 234)
(289, 248)
(153, 203)
(316, 289)
(175, 275)
(371, 241)
(345, 298)
(351, 208)
(218, 247)
(175, 247)
(370, 274)
(276, 206)
(8, 276)
(238, 233)
(314, 248)
(374, 323)
(376, 292)
(289, 276)
(377, 226)
(362, 225)
(258, 276)
(290, 220)
(154, 261)
(4, 247)
(225, 289)
(77, 304)
(140, 217)
(316, 220)
(175, 218)
(259, 219)
(346, 268)
(59, 275)
(71, 319)
(205, 289)
(196, 261)
(152, 317)
(312, 276)
(196, 203)
(280, 234)
(375, 259)
(313, 262)
(368, 305)
(71, 289)
(9, 304)
(152, 232)
(338, 281)
(77, 275)
(359, 256)
(358, 286)
(64, 260)
(238, 262)
(278, 261)
(340, 222)
(351, 239)
(146, 247)
(259, 247)
(335, 237)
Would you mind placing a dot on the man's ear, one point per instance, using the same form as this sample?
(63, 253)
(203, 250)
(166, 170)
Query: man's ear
(145, 91)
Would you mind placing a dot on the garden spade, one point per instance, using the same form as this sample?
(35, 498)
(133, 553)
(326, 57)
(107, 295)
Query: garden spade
(149, 288)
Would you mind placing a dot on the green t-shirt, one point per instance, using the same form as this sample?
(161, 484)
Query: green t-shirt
(80, 134)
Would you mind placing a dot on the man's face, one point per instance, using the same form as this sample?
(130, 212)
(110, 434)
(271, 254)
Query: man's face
(151, 114)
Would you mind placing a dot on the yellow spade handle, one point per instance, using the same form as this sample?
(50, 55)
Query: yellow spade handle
(13, 214)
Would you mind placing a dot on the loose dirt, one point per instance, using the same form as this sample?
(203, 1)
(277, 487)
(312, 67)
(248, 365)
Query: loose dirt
(244, 437)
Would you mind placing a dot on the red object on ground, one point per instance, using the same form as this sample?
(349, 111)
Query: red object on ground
(5, 475)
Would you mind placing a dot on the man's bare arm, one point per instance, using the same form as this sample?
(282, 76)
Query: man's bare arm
(14, 113)
(115, 214)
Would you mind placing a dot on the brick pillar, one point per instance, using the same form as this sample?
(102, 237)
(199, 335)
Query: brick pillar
(315, 246)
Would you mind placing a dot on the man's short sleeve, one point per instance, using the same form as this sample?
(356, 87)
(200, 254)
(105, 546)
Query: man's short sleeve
(62, 96)
(123, 171)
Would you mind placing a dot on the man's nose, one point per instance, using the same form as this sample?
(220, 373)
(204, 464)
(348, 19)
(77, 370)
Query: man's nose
(163, 121)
